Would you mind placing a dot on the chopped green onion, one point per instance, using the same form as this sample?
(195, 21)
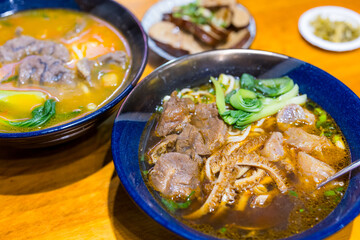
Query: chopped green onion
(329, 193)
(173, 206)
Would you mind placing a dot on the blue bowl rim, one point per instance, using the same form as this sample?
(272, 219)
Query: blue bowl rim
(101, 110)
(325, 232)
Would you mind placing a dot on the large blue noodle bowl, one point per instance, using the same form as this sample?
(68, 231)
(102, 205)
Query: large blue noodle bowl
(127, 24)
(331, 94)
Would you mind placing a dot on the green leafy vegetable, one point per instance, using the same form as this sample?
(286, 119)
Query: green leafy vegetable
(247, 106)
(10, 79)
(293, 193)
(268, 87)
(223, 230)
(329, 193)
(40, 116)
(173, 206)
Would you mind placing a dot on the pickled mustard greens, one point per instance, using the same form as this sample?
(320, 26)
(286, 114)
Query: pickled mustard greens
(335, 31)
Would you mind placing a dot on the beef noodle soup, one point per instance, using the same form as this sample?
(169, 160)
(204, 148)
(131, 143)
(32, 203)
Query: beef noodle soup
(241, 157)
(57, 65)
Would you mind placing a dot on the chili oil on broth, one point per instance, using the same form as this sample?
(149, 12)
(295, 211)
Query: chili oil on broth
(287, 214)
(83, 35)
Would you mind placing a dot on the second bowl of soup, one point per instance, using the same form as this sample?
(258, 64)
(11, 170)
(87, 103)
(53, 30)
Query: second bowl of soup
(66, 75)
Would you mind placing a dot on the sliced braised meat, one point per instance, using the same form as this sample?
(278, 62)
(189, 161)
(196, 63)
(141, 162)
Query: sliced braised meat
(307, 142)
(216, 3)
(79, 27)
(175, 115)
(191, 142)
(164, 146)
(204, 33)
(43, 70)
(20, 47)
(240, 17)
(117, 57)
(314, 168)
(85, 65)
(235, 39)
(175, 175)
(170, 38)
(212, 129)
(273, 148)
(293, 113)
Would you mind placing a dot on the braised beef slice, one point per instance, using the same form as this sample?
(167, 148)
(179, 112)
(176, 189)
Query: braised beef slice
(212, 129)
(175, 115)
(42, 70)
(117, 57)
(20, 47)
(85, 66)
(191, 142)
(175, 175)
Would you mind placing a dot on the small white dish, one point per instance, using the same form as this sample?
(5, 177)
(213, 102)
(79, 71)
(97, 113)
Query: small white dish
(155, 13)
(334, 13)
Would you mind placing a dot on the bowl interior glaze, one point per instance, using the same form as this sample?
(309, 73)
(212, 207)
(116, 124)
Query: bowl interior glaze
(126, 23)
(338, 100)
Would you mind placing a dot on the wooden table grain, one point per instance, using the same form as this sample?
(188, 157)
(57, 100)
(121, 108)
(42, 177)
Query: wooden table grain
(72, 191)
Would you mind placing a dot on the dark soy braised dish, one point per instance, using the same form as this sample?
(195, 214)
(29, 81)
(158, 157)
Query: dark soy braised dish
(202, 25)
(57, 65)
(241, 157)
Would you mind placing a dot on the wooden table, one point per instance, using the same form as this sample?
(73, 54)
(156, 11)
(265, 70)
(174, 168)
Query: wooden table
(72, 191)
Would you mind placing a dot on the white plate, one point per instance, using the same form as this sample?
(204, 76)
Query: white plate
(334, 14)
(155, 13)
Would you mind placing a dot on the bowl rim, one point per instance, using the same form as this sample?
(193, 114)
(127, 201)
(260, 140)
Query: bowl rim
(174, 227)
(104, 108)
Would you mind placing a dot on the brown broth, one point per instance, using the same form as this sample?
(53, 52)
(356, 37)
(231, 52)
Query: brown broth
(95, 39)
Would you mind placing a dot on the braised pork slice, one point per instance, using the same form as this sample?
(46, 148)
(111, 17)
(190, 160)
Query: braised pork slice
(20, 47)
(170, 38)
(216, 3)
(273, 148)
(314, 168)
(175, 115)
(212, 128)
(307, 142)
(293, 113)
(43, 70)
(175, 175)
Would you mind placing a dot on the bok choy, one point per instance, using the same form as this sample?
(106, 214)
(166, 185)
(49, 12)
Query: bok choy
(255, 99)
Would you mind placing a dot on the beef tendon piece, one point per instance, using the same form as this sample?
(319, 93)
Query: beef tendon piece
(44, 70)
(174, 41)
(20, 47)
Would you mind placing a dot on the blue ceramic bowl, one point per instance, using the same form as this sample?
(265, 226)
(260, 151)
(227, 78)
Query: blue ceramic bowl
(330, 93)
(122, 19)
